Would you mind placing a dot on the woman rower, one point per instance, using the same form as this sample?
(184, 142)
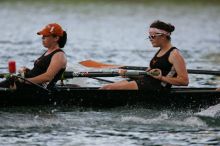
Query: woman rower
(49, 67)
(168, 62)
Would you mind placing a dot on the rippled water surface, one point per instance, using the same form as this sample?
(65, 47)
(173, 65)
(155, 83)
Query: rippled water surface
(118, 126)
(111, 32)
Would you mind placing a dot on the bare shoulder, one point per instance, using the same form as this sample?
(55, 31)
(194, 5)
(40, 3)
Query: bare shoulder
(175, 52)
(59, 57)
(175, 55)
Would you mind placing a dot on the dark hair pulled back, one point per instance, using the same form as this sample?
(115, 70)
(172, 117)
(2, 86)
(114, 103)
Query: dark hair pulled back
(163, 26)
(62, 40)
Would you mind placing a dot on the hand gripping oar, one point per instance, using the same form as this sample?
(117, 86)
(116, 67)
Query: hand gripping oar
(11, 74)
(107, 74)
(7, 75)
(32, 83)
(95, 64)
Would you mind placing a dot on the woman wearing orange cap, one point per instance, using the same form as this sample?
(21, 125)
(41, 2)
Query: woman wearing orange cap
(168, 62)
(49, 67)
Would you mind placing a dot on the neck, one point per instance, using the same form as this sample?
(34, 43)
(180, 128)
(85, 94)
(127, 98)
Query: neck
(166, 46)
(52, 48)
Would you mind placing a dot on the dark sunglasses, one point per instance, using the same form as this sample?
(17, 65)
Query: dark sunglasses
(43, 37)
(151, 37)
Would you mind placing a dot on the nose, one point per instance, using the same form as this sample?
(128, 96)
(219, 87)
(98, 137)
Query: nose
(151, 40)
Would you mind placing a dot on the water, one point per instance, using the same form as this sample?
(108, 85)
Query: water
(111, 32)
(118, 126)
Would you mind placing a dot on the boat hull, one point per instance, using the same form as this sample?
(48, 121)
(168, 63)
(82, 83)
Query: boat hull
(192, 98)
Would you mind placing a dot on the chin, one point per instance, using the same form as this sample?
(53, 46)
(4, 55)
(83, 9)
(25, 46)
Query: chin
(45, 45)
(154, 45)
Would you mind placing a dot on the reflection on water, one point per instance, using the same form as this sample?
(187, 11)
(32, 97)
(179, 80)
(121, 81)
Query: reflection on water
(112, 32)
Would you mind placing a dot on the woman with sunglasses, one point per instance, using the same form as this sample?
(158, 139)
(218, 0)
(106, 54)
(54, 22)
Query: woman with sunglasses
(49, 67)
(168, 62)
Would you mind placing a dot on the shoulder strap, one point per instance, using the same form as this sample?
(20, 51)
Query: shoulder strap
(171, 49)
(54, 52)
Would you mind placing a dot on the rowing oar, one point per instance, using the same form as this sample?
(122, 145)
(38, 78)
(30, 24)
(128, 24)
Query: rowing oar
(95, 64)
(24, 79)
(7, 75)
(103, 80)
(107, 74)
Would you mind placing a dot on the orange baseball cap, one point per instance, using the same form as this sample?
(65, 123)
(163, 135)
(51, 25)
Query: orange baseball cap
(51, 29)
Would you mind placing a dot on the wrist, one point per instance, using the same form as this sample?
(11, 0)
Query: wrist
(161, 78)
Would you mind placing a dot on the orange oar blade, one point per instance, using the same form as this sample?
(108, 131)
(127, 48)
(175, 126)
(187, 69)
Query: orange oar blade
(95, 64)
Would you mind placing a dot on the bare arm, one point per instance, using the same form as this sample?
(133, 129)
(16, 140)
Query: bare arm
(58, 62)
(179, 64)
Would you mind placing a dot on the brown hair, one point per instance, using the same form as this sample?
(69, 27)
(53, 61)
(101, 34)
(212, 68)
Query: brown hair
(62, 40)
(163, 26)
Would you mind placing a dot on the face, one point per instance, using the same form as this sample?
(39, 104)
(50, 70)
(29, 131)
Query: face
(49, 41)
(156, 39)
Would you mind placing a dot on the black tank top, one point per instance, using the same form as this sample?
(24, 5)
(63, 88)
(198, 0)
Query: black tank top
(164, 65)
(41, 65)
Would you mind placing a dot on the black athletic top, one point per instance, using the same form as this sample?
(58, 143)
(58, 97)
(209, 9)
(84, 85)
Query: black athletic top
(166, 68)
(41, 65)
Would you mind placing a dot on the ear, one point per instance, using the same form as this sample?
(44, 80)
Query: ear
(57, 38)
(164, 37)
